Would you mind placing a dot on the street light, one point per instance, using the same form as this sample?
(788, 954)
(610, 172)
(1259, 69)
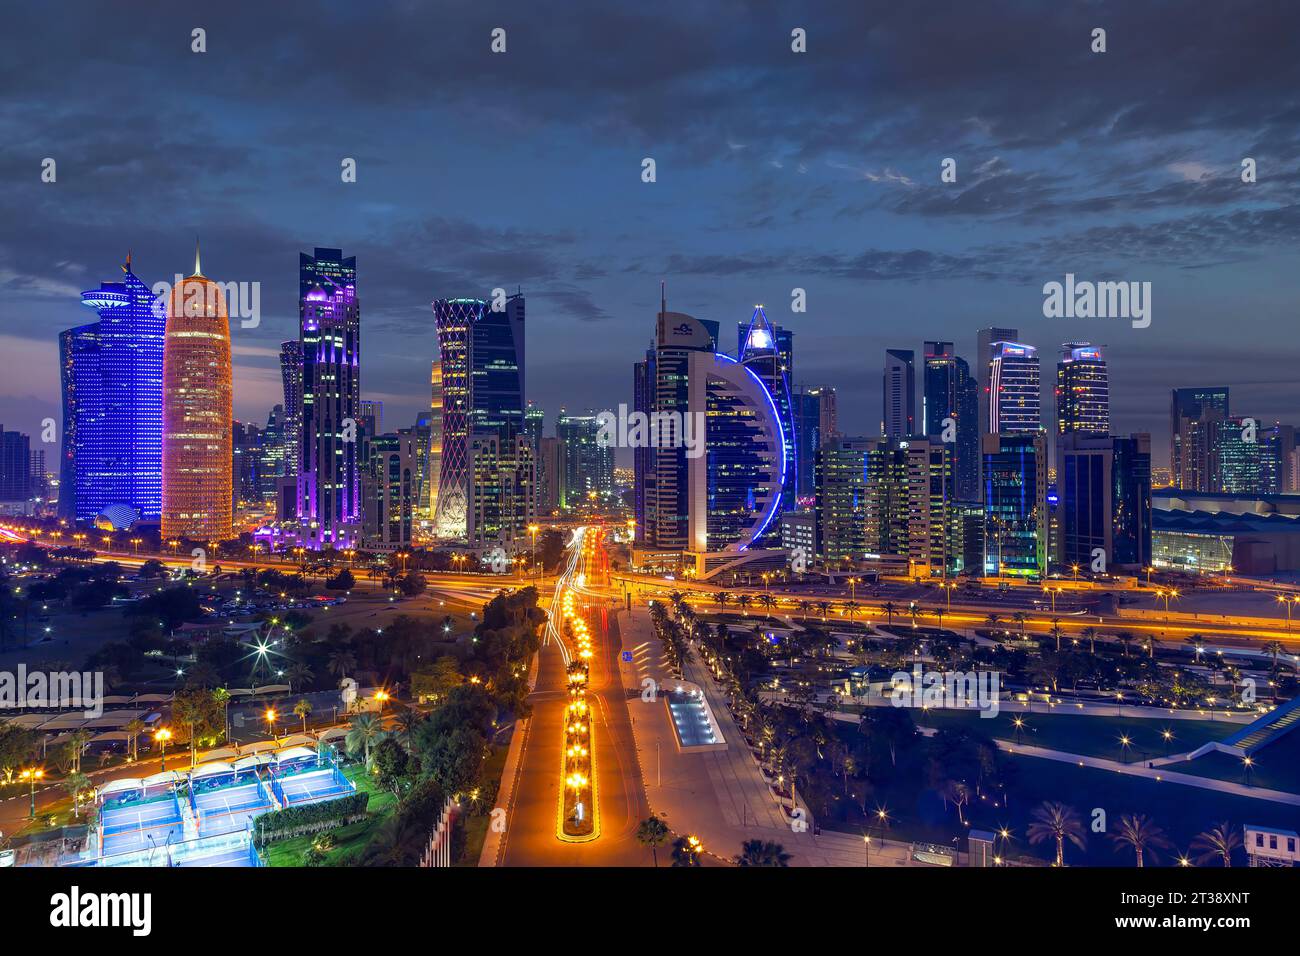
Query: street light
(161, 736)
(32, 775)
(270, 716)
(532, 552)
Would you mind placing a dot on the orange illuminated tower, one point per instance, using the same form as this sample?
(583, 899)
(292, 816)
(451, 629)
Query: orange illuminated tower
(196, 489)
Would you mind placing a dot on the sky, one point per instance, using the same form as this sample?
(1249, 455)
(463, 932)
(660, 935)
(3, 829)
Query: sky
(775, 170)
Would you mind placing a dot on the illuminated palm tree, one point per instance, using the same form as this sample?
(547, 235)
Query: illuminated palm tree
(804, 607)
(1056, 822)
(302, 710)
(743, 602)
(1218, 841)
(1275, 648)
(722, 597)
(889, 608)
(824, 607)
(768, 602)
(1198, 645)
(365, 731)
(1137, 832)
(1091, 634)
(1020, 617)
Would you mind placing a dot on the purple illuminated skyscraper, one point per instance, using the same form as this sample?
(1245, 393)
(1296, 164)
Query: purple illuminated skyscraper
(329, 479)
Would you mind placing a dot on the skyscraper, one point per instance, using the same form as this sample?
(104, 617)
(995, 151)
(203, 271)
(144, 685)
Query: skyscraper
(1194, 417)
(588, 465)
(15, 472)
(768, 351)
(951, 393)
(389, 483)
(841, 495)
(113, 400)
(984, 355)
(329, 472)
(1082, 390)
(643, 456)
(1014, 472)
(482, 361)
(1104, 485)
(197, 448)
(1015, 399)
(898, 395)
(291, 381)
(433, 463)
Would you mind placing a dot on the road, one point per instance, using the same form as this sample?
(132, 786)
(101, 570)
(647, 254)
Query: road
(530, 838)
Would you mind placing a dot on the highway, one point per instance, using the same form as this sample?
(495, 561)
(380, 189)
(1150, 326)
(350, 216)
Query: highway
(530, 838)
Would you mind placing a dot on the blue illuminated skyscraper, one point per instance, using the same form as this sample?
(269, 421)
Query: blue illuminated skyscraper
(111, 374)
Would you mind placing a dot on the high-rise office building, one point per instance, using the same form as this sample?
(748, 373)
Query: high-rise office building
(534, 423)
(767, 350)
(1238, 456)
(197, 447)
(246, 453)
(329, 470)
(949, 413)
(550, 475)
(433, 465)
(503, 490)
(291, 383)
(482, 362)
(1014, 472)
(984, 355)
(643, 455)
(588, 467)
(1104, 511)
(1082, 391)
(15, 472)
(388, 481)
(1015, 397)
(1277, 456)
(841, 499)
(829, 425)
(808, 438)
(113, 400)
(1194, 416)
(271, 462)
(898, 394)
(370, 414)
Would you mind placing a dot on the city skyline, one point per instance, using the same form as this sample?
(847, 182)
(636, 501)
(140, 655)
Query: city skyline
(755, 195)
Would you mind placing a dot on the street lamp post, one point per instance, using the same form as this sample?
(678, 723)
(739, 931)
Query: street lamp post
(31, 776)
(161, 736)
(532, 551)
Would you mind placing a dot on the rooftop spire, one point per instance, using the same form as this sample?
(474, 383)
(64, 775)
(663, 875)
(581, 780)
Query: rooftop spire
(127, 267)
(197, 270)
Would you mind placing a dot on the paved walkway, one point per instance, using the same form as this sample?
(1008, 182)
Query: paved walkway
(719, 796)
(492, 843)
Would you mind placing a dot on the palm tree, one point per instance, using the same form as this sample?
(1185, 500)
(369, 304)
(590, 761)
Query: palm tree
(762, 853)
(722, 597)
(1149, 645)
(1198, 645)
(76, 784)
(889, 607)
(938, 616)
(993, 620)
(825, 608)
(299, 674)
(685, 853)
(768, 602)
(652, 832)
(1056, 822)
(1020, 617)
(743, 602)
(1218, 841)
(341, 663)
(1056, 632)
(408, 722)
(302, 710)
(365, 730)
(1140, 834)
(133, 730)
(851, 608)
(77, 742)
(804, 607)
(1275, 648)
(222, 697)
(1091, 634)
(1125, 639)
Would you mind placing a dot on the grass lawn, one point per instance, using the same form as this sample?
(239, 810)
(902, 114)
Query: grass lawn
(1276, 767)
(1090, 735)
(350, 839)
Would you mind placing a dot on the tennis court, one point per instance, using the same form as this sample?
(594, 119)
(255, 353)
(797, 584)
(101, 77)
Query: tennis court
(311, 787)
(139, 825)
(225, 809)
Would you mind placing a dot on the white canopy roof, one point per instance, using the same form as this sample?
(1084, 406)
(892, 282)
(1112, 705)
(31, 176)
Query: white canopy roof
(294, 753)
(121, 784)
(208, 769)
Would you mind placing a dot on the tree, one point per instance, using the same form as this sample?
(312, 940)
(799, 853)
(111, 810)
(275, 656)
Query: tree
(652, 832)
(298, 674)
(686, 852)
(17, 747)
(392, 766)
(412, 584)
(302, 710)
(762, 853)
(364, 732)
(1056, 822)
(1090, 633)
(343, 581)
(133, 730)
(1137, 832)
(722, 597)
(408, 721)
(77, 742)
(1218, 841)
(342, 662)
(76, 784)
(196, 709)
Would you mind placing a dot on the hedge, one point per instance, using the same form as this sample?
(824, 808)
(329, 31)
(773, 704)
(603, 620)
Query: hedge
(311, 818)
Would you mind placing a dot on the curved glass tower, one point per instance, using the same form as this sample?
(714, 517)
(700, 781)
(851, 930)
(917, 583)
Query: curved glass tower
(197, 497)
